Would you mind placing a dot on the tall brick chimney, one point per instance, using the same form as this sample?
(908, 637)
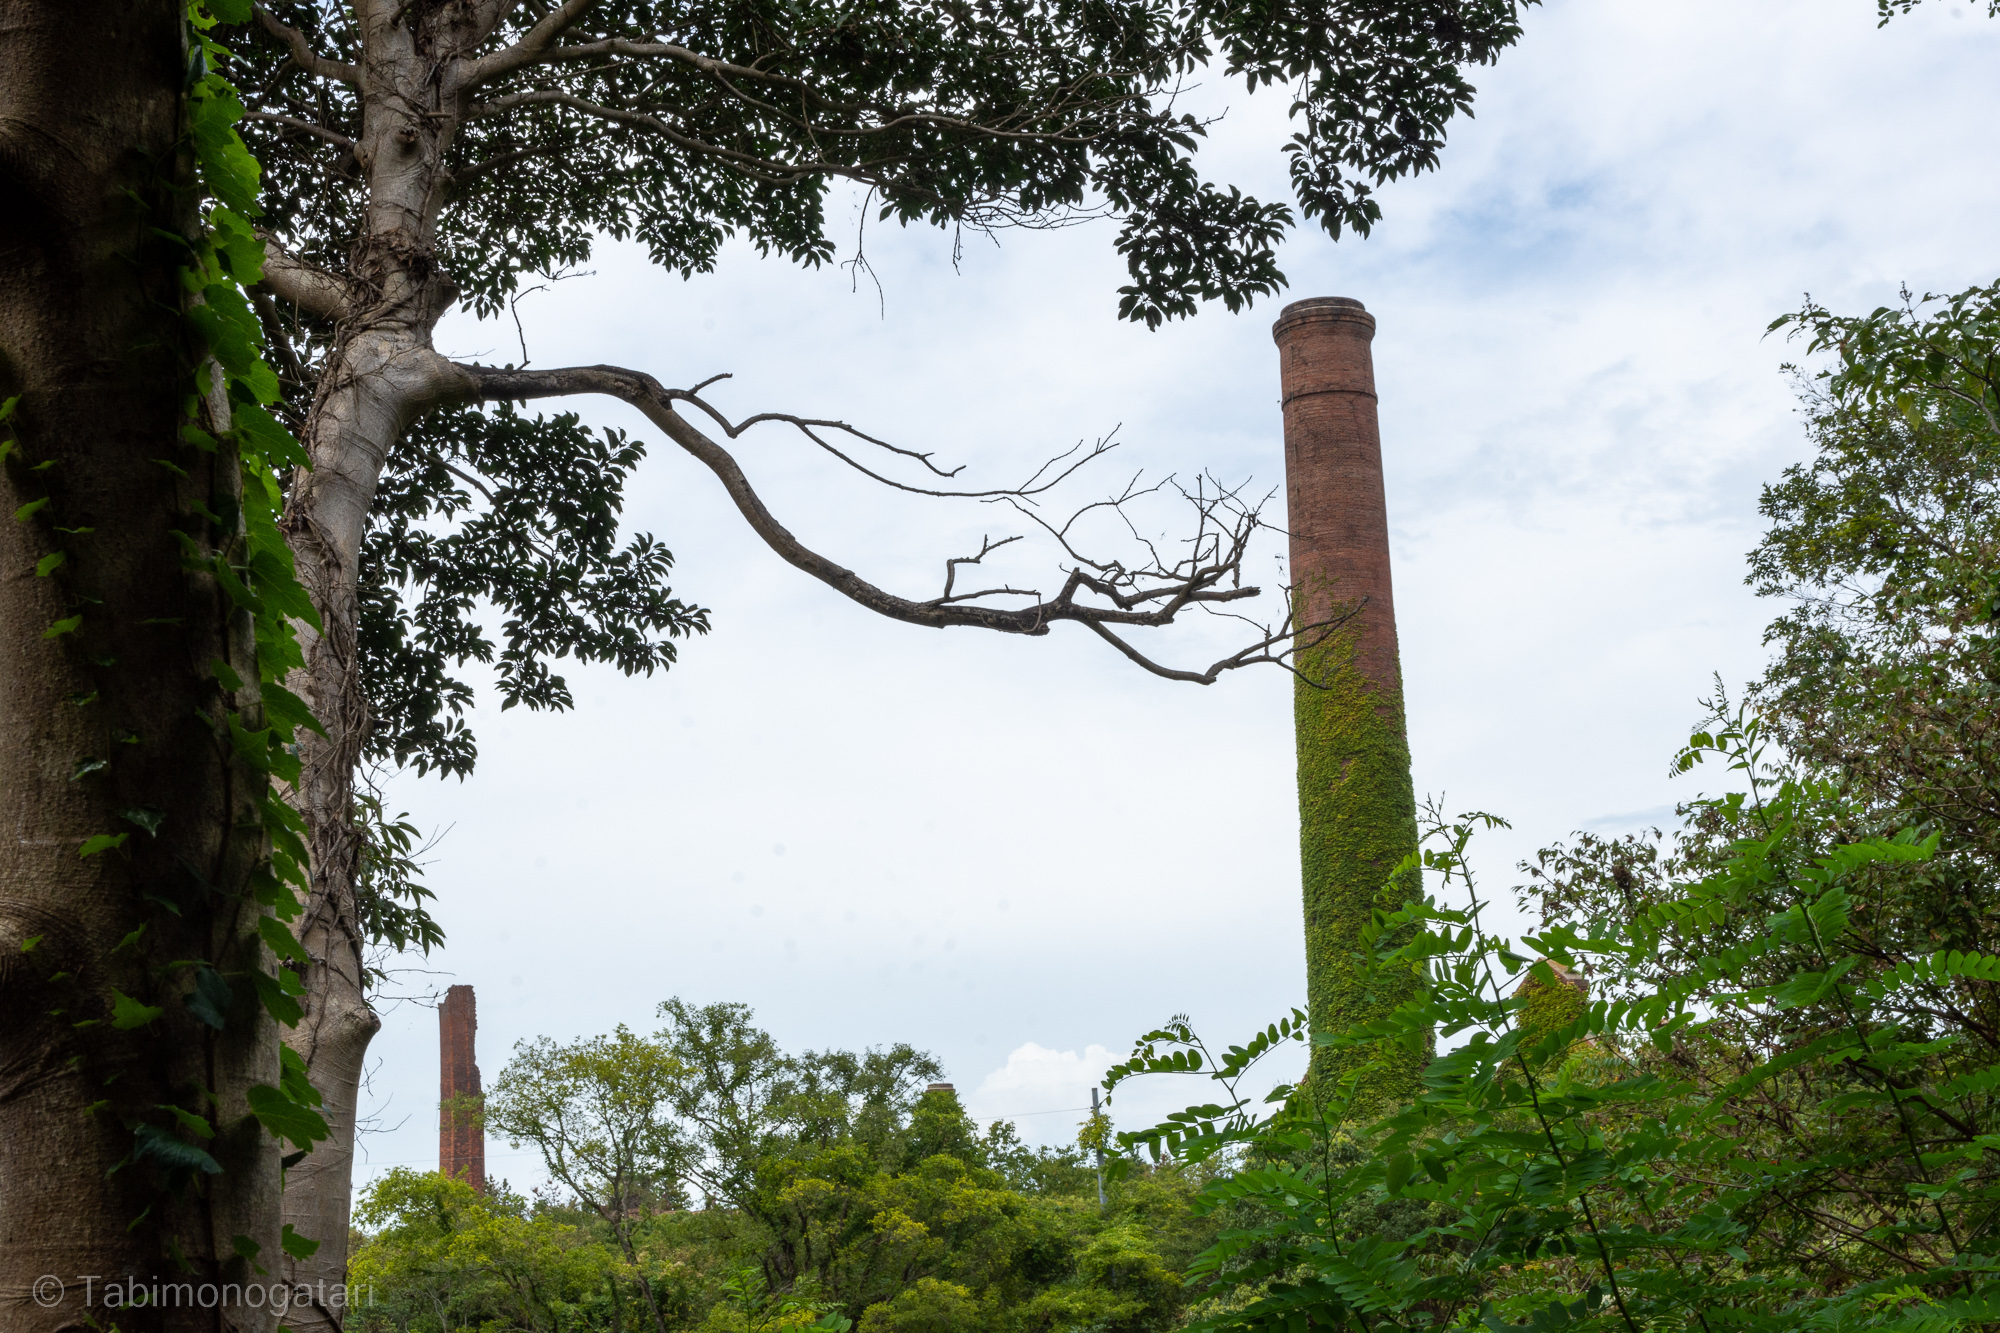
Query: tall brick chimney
(1357, 810)
(461, 1104)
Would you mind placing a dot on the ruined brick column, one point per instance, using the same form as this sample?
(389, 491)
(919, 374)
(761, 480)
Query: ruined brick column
(461, 1107)
(1357, 810)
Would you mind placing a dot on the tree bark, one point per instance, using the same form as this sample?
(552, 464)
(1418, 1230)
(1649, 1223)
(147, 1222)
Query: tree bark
(111, 719)
(381, 376)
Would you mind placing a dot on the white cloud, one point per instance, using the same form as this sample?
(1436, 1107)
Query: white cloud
(1038, 1081)
(1046, 1093)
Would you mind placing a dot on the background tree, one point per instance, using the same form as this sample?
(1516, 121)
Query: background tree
(838, 1185)
(1885, 685)
(426, 153)
(602, 1114)
(445, 1257)
(1779, 1132)
(1887, 544)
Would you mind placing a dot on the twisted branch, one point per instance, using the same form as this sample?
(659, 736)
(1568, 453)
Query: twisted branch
(1103, 594)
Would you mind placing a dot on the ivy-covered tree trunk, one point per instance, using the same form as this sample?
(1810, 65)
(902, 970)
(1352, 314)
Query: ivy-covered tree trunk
(130, 1030)
(381, 375)
(1357, 808)
(348, 437)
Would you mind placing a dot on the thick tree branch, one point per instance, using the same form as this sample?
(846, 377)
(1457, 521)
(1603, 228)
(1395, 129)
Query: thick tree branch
(307, 59)
(532, 46)
(1138, 598)
(319, 293)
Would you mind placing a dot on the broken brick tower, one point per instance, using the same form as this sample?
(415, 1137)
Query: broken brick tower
(1357, 807)
(461, 1104)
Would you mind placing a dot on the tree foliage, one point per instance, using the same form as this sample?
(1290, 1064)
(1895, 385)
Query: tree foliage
(1773, 1132)
(443, 1257)
(767, 1190)
(540, 541)
(682, 124)
(1887, 545)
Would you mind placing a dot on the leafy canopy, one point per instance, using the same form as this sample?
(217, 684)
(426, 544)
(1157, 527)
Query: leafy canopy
(684, 122)
(681, 123)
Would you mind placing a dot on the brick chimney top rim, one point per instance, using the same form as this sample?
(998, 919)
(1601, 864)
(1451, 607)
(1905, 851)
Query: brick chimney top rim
(1321, 309)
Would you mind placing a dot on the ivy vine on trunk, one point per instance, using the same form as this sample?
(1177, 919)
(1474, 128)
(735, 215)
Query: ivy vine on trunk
(147, 603)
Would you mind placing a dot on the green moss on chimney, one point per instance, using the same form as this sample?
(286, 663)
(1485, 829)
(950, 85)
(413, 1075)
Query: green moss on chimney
(1357, 823)
(1548, 1007)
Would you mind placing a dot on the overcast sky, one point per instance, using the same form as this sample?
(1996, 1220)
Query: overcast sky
(1020, 853)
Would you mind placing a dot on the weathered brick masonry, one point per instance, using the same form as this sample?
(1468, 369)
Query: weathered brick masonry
(1335, 505)
(461, 1127)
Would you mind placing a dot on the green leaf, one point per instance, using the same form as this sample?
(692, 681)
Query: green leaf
(102, 842)
(68, 625)
(86, 766)
(176, 1154)
(278, 1001)
(49, 563)
(283, 943)
(248, 1250)
(191, 1122)
(230, 329)
(288, 710)
(234, 240)
(299, 1247)
(295, 1079)
(211, 999)
(299, 1125)
(145, 816)
(227, 168)
(127, 1013)
(259, 434)
(30, 509)
(225, 675)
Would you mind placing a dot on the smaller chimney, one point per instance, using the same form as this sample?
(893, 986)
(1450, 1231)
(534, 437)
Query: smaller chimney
(939, 1087)
(461, 1104)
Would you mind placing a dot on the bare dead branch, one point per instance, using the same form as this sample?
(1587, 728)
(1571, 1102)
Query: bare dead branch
(986, 547)
(1099, 593)
(810, 426)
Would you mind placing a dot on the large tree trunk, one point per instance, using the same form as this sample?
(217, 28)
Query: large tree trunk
(114, 725)
(380, 378)
(384, 375)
